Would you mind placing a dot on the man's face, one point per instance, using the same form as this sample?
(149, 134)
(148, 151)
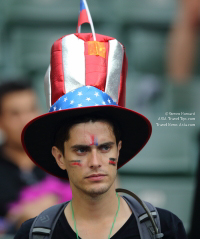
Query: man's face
(91, 156)
(18, 108)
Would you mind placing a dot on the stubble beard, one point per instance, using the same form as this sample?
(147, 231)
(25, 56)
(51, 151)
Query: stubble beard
(94, 192)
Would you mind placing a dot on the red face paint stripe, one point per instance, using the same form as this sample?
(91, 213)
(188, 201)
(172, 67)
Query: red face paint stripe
(111, 162)
(92, 139)
(76, 163)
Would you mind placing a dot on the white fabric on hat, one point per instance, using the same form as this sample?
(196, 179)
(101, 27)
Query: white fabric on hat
(73, 62)
(115, 61)
(47, 87)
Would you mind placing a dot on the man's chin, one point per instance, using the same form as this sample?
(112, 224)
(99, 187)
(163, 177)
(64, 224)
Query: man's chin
(97, 191)
(93, 189)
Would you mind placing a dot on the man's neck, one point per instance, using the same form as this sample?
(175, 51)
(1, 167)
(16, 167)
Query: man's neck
(95, 208)
(18, 156)
(95, 216)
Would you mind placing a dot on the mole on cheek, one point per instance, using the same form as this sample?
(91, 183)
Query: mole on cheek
(113, 161)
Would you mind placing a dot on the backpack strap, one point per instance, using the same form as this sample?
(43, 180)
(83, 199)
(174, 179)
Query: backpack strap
(44, 224)
(146, 215)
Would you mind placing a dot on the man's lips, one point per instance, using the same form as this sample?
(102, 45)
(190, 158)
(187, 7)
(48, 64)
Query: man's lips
(96, 175)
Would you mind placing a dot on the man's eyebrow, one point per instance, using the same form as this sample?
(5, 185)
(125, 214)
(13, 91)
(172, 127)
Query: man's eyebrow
(78, 146)
(106, 144)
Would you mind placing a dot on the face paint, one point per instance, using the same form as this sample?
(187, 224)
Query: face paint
(112, 161)
(93, 140)
(75, 162)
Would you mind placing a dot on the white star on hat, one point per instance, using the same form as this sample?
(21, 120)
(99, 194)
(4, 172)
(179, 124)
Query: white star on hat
(96, 94)
(60, 108)
(65, 99)
(71, 102)
(88, 99)
(109, 101)
(54, 108)
(103, 102)
(80, 93)
(79, 105)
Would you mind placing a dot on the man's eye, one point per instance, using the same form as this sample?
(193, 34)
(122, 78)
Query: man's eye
(105, 147)
(81, 150)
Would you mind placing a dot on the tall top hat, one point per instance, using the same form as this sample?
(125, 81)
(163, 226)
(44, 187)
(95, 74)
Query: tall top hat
(87, 75)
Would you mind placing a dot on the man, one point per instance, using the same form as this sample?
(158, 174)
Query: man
(87, 136)
(19, 175)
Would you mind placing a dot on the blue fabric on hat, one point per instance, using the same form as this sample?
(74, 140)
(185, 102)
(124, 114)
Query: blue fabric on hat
(82, 97)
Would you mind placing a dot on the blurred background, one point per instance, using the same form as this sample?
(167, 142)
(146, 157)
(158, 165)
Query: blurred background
(163, 76)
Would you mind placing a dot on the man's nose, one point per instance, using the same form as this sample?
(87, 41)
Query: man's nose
(95, 159)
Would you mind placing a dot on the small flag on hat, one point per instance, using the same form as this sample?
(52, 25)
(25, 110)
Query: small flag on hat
(85, 17)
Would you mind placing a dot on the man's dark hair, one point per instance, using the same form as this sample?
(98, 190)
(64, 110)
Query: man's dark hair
(11, 87)
(62, 134)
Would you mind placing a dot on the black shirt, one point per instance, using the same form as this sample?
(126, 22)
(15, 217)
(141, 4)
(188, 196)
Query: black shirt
(171, 226)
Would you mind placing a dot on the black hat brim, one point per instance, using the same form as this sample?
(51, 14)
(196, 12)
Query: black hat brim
(38, 135)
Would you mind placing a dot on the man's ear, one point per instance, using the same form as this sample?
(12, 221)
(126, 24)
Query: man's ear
(119, 146)
(58, 157)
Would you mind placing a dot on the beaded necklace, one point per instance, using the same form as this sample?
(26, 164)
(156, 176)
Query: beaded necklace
(75, 228)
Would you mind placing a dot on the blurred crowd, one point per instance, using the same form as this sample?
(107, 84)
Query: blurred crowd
(25, 189)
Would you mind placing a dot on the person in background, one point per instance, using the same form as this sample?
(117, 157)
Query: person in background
(195, 230)
(182, 48)
(183, 41)
(21, 181)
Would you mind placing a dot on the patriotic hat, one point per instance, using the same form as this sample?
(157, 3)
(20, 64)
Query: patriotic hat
(85, 77)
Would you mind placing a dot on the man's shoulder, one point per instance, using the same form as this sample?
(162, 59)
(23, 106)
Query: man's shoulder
(23, 232)
(166, 215)
(171, 224)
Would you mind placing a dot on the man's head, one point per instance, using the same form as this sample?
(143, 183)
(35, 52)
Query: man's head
(18, 105)
(86, 147)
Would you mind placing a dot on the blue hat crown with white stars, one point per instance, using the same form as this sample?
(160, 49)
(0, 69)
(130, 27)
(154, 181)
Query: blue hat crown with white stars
(84, 96)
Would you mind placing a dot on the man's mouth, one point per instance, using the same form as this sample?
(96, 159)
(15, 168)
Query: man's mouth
(96, 177)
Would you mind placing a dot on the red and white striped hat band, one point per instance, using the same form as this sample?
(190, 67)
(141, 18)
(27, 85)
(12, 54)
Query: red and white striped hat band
(77, 60)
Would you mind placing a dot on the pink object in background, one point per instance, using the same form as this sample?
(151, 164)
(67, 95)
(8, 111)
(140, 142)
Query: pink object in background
(50, 185)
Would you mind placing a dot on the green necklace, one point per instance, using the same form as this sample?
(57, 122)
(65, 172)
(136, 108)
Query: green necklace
(75, 228)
